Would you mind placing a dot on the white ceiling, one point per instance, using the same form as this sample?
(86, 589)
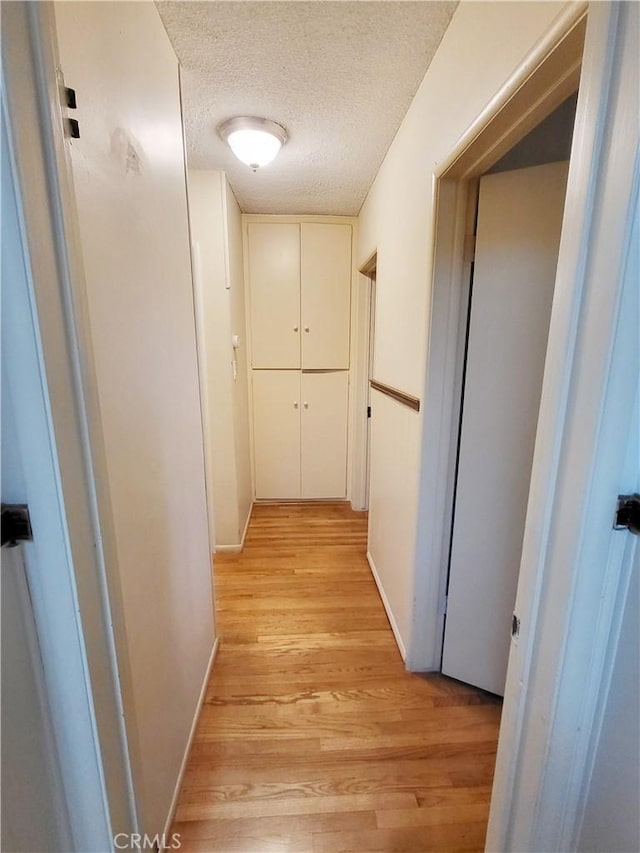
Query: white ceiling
(338, 74)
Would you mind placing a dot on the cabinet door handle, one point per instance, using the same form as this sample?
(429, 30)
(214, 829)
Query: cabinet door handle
(295, 405)
(295, 328)
(306, 328)
(306, 405)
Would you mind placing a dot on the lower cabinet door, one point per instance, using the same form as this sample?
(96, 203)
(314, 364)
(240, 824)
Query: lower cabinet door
(276, 414)
(324, 434)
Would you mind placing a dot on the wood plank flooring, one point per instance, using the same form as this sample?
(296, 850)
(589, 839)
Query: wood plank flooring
(313, 737)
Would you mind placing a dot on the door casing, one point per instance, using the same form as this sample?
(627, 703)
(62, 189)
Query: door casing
(531, 806)
(365, 311)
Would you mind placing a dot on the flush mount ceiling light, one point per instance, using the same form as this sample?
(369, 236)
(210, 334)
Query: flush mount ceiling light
(255, 141)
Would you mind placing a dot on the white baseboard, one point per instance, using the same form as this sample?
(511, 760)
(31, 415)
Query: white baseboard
(387, 607)
(187, 750)
(236, 549)
(276, 501)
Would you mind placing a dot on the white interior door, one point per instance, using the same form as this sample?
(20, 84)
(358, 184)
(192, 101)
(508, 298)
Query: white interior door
(33, 812)
(518, 236)
(274, 275)
(276, 413)
(324, 434)
(50, 752)
(32, 802)
(325, 263)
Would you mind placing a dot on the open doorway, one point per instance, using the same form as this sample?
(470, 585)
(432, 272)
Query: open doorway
(517, 214)
(368, 271)
(550, 77)
(546, 712)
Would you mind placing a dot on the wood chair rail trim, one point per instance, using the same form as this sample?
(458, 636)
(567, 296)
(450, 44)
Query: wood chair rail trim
(396, 394)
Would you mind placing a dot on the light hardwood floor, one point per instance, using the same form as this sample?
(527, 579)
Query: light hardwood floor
(313, 737)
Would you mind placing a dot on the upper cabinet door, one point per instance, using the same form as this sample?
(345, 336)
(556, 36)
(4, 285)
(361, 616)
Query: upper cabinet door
(274, 276)
(325, 264)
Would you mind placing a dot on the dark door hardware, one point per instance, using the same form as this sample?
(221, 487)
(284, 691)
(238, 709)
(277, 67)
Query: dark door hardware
(70, 98)
(16, 524)
(628, 513)
(73, 128)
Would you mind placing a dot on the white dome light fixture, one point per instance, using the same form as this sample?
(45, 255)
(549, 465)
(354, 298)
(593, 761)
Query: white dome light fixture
(254, 141)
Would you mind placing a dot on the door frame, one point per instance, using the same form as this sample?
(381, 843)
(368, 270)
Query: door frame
(373, 283)
(545, 78)
(532, 808)
(362, 362)
(76, 604)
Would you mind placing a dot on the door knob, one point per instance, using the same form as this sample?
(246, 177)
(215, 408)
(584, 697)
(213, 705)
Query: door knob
(306, 405)
(306, 328)
(295, 405)
(295, 328)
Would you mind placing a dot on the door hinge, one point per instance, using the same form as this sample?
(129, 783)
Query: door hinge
(444, 604)
(515, 626)
(368, 411)
(72, 128)
(68, 101)
(70, 98)
(16, 524)
(628, 514)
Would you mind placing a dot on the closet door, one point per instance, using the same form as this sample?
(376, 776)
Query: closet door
(274, 277)
(519, 226)
(324, 434)
(325, 263)
(276, 417)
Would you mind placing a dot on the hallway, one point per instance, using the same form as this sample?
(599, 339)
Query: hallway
(313, 737)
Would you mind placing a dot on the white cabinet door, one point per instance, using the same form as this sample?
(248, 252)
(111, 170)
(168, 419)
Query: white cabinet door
(325, 263)
(276, 413)
(519, 224)
(274, 276)
(324, 434)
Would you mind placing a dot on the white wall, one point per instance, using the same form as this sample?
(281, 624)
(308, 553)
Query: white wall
(240, 390)
(129, 178)
(216, 229)
(206, 215)
(394, 454)
(483, 45)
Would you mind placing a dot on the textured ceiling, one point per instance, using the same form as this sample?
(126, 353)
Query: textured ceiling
(338, 75)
